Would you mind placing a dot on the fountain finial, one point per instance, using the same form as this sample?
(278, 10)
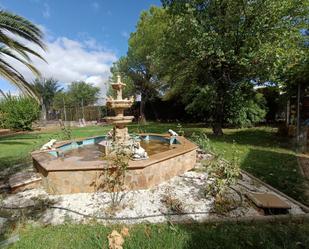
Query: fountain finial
(118, 78)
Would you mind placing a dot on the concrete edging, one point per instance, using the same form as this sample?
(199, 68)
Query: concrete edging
(302, 206)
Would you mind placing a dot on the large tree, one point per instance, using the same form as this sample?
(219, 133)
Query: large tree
(82, 93)
(12, 29)
(120, 67)
(139, 63)
(216, 50)
(46, 89)
(78, 95)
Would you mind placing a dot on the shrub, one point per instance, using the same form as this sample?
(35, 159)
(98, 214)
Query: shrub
(18, 113)
(246, 113)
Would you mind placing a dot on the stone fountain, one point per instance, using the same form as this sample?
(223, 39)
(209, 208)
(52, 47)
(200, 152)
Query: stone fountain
(120, 135)
(75, 166)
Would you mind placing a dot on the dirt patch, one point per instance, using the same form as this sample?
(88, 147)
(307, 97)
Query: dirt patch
(8, 132)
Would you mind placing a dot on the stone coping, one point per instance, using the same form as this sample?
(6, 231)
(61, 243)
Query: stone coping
(51, 163)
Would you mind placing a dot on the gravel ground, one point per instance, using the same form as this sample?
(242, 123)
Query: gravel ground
(182, 194)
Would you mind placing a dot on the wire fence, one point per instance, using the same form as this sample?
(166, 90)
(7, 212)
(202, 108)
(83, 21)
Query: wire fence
(89, 113)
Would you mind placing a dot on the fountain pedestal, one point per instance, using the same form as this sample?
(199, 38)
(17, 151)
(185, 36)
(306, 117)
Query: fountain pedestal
(120, 131)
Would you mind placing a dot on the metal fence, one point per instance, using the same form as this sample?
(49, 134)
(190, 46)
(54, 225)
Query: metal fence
(89, 113)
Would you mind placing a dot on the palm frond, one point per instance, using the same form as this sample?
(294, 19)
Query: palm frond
(20, 48)
(21, 27)
(12, 75)
(13, 25)
(9, 53)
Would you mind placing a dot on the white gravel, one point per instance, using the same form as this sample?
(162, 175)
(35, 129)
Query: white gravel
(188, 189)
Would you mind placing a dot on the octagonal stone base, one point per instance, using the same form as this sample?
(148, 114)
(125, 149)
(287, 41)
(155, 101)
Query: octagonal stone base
(83, 176)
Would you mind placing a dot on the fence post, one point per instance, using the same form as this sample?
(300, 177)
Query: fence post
(64, 110)
(83, 111)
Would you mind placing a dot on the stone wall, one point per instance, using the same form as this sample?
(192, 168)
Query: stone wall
(83, 181)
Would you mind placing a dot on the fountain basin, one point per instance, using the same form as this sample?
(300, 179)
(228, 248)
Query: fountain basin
(76, 167)
(119, 119)
(119, 104)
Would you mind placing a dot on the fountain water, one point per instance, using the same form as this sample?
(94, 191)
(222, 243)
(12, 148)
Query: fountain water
(75, 166)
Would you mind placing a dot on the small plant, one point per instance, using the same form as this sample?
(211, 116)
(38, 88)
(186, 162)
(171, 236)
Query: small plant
(172, 203)
(202, 141)
(224, 174)
(66, 132)
(180, 130)
(113, 177)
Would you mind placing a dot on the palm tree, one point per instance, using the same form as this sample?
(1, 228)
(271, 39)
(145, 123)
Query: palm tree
(46, 89)
(12, 28)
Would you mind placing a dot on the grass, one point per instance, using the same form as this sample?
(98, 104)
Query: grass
(261, 152)
(286, 235)
(16, 149)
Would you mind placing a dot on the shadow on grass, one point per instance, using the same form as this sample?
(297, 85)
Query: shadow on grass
(12, 142)
(280, 170)
(11, 165)
(264, 137)
(18, 217)
(20, 136)
(247, 236)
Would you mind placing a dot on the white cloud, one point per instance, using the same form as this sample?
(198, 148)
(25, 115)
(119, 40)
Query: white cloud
(95, 5)
(71, 60)
(125, 34)
(46, 11)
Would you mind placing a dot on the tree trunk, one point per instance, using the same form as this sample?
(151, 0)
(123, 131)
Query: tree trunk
(142, 118)
(217, 129)
(218, 116)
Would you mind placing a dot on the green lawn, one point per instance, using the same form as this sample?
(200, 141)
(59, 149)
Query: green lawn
(16, 149)
(289, 235)
(261, 153)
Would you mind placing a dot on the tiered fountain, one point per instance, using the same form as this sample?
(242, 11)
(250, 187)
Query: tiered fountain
(74, 166)
(120, 131)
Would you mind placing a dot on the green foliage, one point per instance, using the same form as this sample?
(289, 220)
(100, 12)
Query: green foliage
(61, 99)
(66, 133)
(202, 140)
(47, 89)
(139, 64)
(119, 68)
(180, 130)
(12, 28)
(82, 93)
(113, 177)
(223, 173)
(78, 94)
(212, 47)
(246, 113)
(18, 113)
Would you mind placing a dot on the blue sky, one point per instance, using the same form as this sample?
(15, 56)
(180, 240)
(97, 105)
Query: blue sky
(84, 37)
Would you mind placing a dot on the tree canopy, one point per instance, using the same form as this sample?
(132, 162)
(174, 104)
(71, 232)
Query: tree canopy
(215, 51)
(139, 64)
(47, 89)
(78, 94)
(210, 54)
